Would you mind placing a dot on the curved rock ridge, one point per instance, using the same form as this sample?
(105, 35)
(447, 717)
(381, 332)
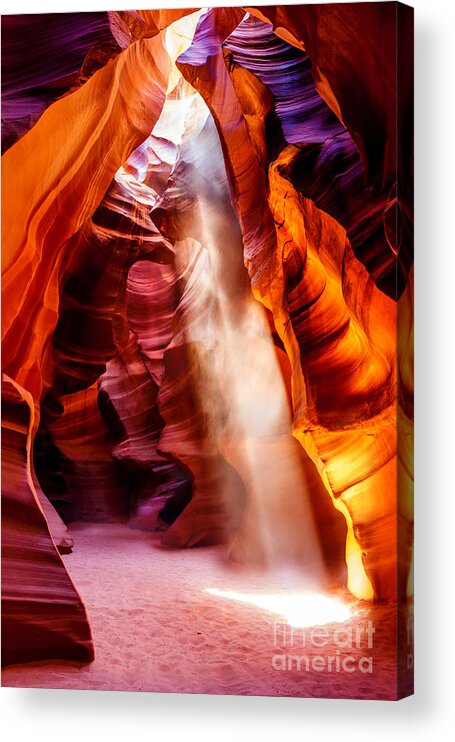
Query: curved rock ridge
(45, 56)
(42, 614)
(80, 139)
(328, 168)
(204, 245)
(373, 329)
(193, 207)
(42, 57)
(378, 117)
(203, 65)
(351, 420)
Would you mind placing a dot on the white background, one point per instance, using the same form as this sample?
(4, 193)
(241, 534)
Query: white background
(75, 715)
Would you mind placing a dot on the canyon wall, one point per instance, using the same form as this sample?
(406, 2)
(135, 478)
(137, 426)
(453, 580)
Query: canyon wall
(207, 294)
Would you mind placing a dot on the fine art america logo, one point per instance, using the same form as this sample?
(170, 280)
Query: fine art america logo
(351, 648)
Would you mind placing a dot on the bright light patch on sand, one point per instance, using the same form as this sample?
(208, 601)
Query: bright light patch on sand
(299, 609)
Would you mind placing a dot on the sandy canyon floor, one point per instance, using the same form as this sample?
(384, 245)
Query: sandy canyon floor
(156, 628)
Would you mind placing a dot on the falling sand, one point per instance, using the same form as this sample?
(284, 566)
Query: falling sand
(156, 627)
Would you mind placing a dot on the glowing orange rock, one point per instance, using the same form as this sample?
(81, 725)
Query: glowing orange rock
(72, 233)
(337, 328)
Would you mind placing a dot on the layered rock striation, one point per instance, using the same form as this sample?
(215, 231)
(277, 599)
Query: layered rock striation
(207, 295)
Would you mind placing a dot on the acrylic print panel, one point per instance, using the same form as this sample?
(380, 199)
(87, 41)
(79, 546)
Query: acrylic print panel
(207, 350)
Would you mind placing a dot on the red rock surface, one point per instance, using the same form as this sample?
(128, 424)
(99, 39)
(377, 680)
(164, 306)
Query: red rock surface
(207, 249)
(42, 613)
